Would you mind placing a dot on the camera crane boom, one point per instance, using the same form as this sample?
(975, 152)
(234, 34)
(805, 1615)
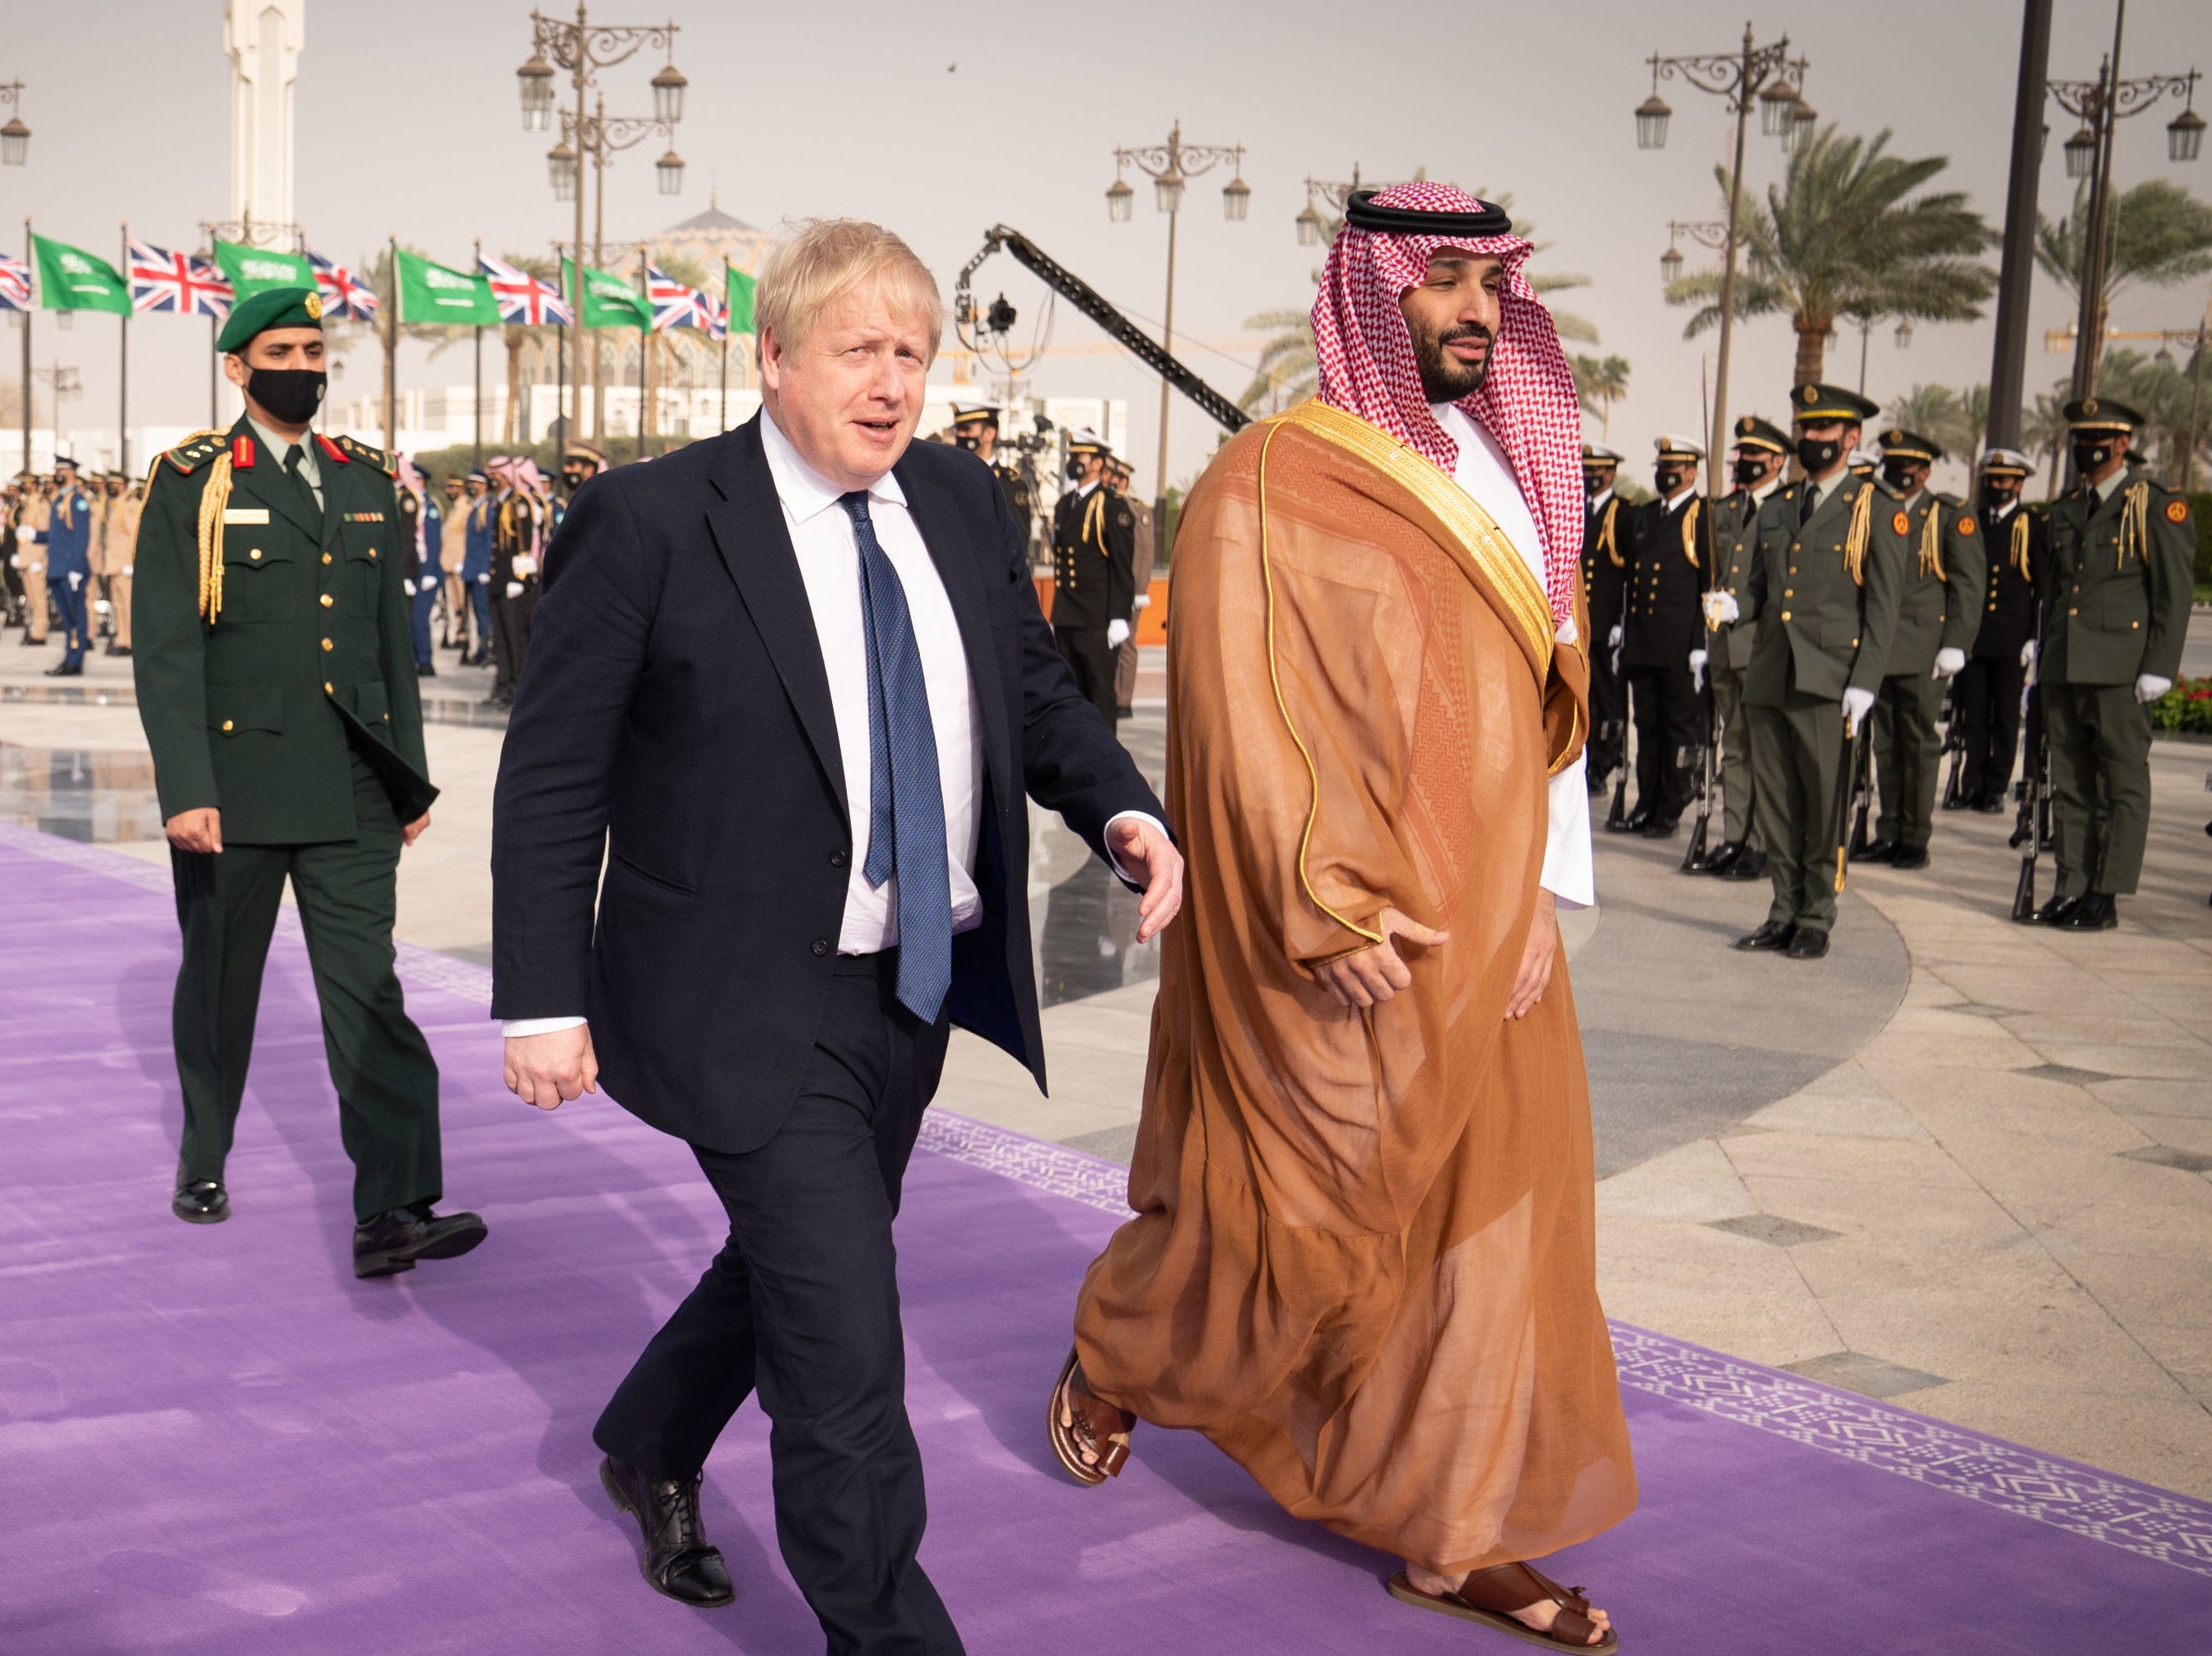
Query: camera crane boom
(1094, 305)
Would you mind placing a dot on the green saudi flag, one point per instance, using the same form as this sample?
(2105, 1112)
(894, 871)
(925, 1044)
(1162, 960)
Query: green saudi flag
(739, 287)
(71, 278)
(608, 302)
(431, 293)
(257, 270)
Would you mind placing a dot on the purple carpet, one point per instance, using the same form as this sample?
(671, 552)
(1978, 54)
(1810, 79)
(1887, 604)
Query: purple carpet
(213, 1439)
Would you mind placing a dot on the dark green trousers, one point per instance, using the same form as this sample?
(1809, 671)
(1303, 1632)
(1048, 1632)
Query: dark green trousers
(1908, 754)
(386, 1080)
(1796, 770)
(1736, 786)
(2099, 738)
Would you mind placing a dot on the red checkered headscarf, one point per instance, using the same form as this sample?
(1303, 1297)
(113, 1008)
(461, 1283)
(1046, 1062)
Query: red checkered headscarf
(1527, 401)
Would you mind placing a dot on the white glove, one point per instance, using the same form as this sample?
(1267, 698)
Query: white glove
(1721, 608)
(2149, 686)
(514, 589)
(127, 569)
(1117, 633)
(16, 561)
(75, 581)
(1949, 662)
(1857, 703)
(1144, 601)
(2027, 654)
(484, 580)
(407, 587)
(1698, 668)
(1612, 638)
(525, 565)
(101, 606)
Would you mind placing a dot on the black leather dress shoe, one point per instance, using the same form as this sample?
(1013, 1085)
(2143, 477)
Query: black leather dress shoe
(1751, 865)
(1770, 935)
(1633, 823)
(394, 1241)
(678, 1561)
(1660, 827)
(66, 670)
(2095, 912)
(201, 1202)
(2054, 913)
(1909, 856)
(1724, 859)
(1808, 944)
(1879, 850)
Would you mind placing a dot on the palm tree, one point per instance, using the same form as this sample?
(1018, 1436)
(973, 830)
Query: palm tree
(2162, 236)
(1287, 372)
(2046, 432)
(1845, 235)
(1940, 414)
(2159, 392)
(1601, 382)
(519, 337)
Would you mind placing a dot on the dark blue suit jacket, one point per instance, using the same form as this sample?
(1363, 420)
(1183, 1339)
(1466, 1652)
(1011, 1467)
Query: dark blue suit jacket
(674, 713)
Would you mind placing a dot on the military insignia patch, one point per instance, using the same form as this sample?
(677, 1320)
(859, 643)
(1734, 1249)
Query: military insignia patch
(364, 517)
(2089, 406)
(1966, 525)
(313, 304)
(1901, 523)
(2177, 511)
(1808, 395)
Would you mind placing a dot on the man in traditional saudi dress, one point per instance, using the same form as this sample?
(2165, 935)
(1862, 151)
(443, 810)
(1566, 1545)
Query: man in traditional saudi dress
(1362, 1260)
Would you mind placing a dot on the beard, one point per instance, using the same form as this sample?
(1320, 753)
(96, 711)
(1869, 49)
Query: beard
(1444, 378)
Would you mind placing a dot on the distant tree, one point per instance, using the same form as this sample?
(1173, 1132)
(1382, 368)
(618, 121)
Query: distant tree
(2162, 236)
(521, 338)
(1601, 382)
(1845, 235)
(1287, 372)
(1940, 414)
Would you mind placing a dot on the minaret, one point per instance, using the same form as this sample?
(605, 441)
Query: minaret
(262, 38)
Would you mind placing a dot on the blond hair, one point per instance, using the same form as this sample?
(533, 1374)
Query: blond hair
(824, 258)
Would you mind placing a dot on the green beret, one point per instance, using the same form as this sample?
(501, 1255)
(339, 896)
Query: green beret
(272, 308)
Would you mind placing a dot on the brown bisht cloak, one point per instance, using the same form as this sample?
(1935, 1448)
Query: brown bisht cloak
(1362, 1260)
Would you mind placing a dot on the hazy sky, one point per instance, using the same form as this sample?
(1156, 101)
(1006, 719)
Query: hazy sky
(409, 123)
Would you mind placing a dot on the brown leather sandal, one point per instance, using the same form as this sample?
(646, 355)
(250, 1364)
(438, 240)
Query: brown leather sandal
(1489, 1596)
(1073, 1434)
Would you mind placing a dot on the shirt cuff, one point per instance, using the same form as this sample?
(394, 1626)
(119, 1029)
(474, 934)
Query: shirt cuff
(1113, 862)
(512, 1028)
(1568, 874)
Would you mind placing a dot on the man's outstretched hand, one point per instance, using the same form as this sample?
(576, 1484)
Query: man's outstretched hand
(1146, 853)
(1537, 955)
(1377, 973)
(545, 1069)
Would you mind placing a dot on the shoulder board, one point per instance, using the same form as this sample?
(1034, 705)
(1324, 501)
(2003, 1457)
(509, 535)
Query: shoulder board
(356, 449)
(196, 450)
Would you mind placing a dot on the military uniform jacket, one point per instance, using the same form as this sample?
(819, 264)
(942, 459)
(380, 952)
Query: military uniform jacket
(513, 522)
(1665, 574)
(1939, 597)
(479, 530)
(68, 534)
(1826, 594)
(1021, 500)
(2012, 548)
(1608, 537)
(2120, 578)
(255, 711)
(1735, 548)
(1094, 555)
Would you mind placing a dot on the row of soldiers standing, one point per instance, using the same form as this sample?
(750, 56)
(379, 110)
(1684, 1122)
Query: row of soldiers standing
(66, 546)
(1791, 614)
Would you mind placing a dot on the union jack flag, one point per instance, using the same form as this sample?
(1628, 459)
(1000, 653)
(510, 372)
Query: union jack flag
(175, 284)
(522, 298)
(345, 298)
(14, 283)
(674, 304)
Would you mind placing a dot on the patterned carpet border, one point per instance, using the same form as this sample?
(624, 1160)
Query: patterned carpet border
(2137, 1518)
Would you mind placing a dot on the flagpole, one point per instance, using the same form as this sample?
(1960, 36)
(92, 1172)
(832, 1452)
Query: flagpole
(725, 361)
(644, 340)
(123, 367)
(477, 403)
(30, 263)
(560, 419)
(391, 350)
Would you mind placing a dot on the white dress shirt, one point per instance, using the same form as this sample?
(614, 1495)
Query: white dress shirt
(830, 565)
(1485, 472)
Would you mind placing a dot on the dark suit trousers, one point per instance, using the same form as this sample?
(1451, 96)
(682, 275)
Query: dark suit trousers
(1608, 716)
(1985, 699)
(510, 635)
(802, 1303)
(1669, 717)
(386, 1080)
(1085, 652)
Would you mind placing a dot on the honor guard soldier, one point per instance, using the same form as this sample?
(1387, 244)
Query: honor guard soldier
(1608, 537)
(2015, 543)
(419, 526)
(1823, 586)
(1119, 474)
(1094, 551)
(66, 540)
(1762, 450)
(514, 586)
(580, 463)
(975, 429)
(478, 531)
(276, 687)
(2116, 588)
(1939, 611)
(1660, 628)
(12, 539)
(125, 510)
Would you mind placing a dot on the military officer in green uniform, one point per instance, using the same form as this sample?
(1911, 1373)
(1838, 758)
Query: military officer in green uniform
(1094, 573)
(276, 681)
(2116, 591)
(975, 429)
(1823, 585)
(1762, 451)
(1939, 610)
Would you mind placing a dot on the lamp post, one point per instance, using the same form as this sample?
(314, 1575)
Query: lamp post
(600, 136)
(1170, 165)
(15, 136)
(1768, 77)
(583, 48)
(1318, 228)
(2101, 104)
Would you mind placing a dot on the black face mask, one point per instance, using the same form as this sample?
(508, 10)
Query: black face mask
(1669, 479)
(572, 480)
(1817, 455)
(2089, 454)
(1594, 485)
(291, 394)
(1749, 474)
(1898, 474)
(1997, 494)
(968, 439)
(1075, 470)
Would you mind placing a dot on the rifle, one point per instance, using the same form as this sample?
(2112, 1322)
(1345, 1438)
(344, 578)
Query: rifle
(1860, 793)
(1954, 744)
(1695, 859)
(1849, 794)
(1613, 735)
(2028, 827)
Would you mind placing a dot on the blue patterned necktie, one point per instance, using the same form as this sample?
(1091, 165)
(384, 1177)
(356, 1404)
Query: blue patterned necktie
(906, 801)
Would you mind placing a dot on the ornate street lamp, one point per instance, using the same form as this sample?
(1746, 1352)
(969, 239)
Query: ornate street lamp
(16, 138)
(1652, 116)
(668, 95)
(561, 171)
(2184, 135)
(1310, 226)
(1236, 200)
(1804, 118)
(1167, 191)
(1670, 264)
(669, 169)
(2082, 153)
(1775, 103)
(1705, 232)
(535, 78)
(1903, 335)
(1118, 201)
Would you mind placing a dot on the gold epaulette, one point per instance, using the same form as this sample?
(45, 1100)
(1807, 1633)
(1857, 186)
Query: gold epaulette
(213, 499)
(1855, 540)
(196, 451)
(2134, 520)
(376, 457)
